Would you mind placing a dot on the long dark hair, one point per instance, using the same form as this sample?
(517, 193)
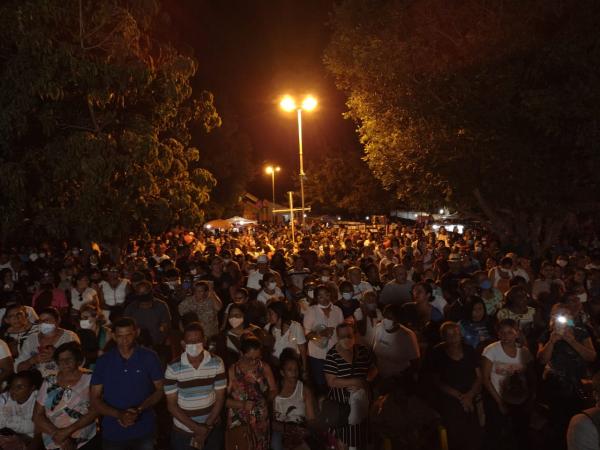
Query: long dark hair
(282, 311)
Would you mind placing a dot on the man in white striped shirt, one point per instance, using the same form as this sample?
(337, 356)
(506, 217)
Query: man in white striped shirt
(195, 387)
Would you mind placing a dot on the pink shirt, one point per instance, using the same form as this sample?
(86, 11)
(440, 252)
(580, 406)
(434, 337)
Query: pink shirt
(59, 299)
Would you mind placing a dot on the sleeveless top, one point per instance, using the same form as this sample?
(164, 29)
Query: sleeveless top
(292, 408)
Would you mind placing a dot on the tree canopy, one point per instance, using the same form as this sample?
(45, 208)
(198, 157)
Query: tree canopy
(95, 108)
(341, 183)
(489, 107)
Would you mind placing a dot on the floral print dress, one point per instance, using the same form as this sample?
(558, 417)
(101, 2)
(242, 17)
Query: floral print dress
(251, 385)
(64, 406)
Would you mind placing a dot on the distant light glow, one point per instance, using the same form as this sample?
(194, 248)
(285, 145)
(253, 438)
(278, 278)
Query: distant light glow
(339, 218)
(441, 211)
(269, 170)
(309, 103)
(368, 218)
(288, 103)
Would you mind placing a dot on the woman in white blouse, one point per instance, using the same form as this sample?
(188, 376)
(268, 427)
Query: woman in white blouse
(286, 332)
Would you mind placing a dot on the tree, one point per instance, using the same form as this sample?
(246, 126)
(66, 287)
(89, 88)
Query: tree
(228, 157)
(490, 107)
(341, 183)
(95, 111)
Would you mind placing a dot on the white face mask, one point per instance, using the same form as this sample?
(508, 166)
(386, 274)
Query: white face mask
(347, 295)
(583, 297)
(47, 328)
(325, 306)
(324, 278)
(86, 324)
(271, 286)
(310, 294)
(388, 324)
(562, 263)
(235, 321)
(194, 349)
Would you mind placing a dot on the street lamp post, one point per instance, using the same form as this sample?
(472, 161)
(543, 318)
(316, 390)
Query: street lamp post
(270, 170)
(308, 104)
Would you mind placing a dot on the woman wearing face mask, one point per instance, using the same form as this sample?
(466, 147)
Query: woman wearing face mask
(228, 342)
(320, 321)
(367, 317)
(287, 333)
(347, 303)
(92, 334)
(38, 349)
(250, 390)
(346, 369)
(270, 292)
(396, 350)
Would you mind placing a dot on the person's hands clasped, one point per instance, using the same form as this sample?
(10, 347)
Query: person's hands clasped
(128, 417)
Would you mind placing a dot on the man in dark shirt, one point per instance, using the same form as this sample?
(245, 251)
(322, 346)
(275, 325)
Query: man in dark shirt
(127, 382)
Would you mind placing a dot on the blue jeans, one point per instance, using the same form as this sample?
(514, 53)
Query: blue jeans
(143, 443)
(214, 440)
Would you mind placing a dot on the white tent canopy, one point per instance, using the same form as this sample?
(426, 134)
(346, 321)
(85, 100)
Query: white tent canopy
(238, 221)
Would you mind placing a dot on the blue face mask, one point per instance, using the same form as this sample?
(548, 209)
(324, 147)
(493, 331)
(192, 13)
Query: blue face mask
(486, 284)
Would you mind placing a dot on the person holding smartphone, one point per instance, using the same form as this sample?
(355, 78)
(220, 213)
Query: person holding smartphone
(565, 350)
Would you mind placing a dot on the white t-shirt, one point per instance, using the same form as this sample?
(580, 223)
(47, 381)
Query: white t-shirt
(394, 351)
(31, 346)
(15, 416)
(292, 338)
(254, 279)
(314, 319)
(371, 324)
(87, 296)
(264, 297)
(4, 350)
(503, 366)
(361, 288)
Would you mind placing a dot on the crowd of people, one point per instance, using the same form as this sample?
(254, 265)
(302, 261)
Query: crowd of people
(401, 337)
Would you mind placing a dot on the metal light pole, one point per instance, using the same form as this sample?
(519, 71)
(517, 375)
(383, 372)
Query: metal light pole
(301, 163)
(270, 170)
(308, 104)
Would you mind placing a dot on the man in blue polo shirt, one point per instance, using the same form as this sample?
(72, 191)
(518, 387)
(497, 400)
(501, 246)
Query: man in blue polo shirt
(127, 382)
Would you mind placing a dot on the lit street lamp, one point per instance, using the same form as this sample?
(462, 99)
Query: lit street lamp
(308, 104)
(270, 170)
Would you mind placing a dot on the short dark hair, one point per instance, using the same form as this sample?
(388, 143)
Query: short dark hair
(342, 326)
(73, 347)
(32, 376)
(508, 323)
(123, 322)
(193, 327)
(52, 311)
(249, 342)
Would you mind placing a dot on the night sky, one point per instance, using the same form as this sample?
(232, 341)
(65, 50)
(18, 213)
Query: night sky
(253, 51)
